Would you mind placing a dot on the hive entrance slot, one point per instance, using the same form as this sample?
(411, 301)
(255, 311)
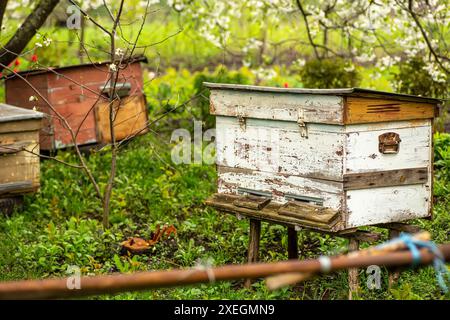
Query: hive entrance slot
(304, 199)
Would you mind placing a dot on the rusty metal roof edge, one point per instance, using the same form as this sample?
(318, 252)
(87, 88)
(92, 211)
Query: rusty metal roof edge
(337, 91)
(22, 113)
(41, 71)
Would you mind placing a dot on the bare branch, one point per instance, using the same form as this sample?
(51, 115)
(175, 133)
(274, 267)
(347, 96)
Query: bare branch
(425, 37)
(84, 13)
(308, 31)
(26, 31)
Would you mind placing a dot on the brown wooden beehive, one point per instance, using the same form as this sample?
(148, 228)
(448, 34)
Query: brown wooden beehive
(73, 92)
(19, 150)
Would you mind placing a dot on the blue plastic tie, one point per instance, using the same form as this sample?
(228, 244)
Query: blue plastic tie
(414, 247)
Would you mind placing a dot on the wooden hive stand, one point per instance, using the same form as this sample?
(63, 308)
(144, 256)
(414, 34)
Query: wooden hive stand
(321, 220)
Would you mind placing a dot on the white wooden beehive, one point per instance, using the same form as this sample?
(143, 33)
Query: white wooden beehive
(364, 154)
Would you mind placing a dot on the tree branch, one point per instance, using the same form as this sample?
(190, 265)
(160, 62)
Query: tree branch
(114, 75)
(26, 31)
(425, 36)
(2, 12)
(308, 31)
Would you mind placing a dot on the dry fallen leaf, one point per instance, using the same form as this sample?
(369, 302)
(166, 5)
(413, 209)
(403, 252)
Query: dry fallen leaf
(137, 245)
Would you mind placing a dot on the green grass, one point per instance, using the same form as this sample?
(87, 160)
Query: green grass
(59, 226)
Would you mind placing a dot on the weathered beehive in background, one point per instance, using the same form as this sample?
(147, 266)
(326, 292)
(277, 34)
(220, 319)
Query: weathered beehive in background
(19, 150)
(326, 159)
(74, 93)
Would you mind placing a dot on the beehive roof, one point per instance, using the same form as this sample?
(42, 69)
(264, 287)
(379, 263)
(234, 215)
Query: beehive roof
(354, 92)
(57, 68)
(12, 113)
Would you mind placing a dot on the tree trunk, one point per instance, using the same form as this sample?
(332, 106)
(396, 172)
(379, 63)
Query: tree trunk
(2, 12)
(26, 31)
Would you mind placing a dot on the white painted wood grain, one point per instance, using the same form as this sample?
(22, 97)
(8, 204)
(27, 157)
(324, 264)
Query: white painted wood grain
(278, 106)
(362, 154)
(277, 146)
(270, 155)
(387, 204)
(386, 125)
(230, 180)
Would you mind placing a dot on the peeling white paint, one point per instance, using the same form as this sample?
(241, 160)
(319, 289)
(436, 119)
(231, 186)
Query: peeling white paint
(362, 153)
(269, 154)
(280, 185)
(277, 146)
(387, 204)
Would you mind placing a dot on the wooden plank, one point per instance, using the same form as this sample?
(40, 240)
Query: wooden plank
(357, 92)
(292, 243)
(363, 110)
(89, 75)
(217, 200)
(13, 147)
(279, 185)
(353, 281)
(394, 275)
(431, 171)
(78, 115)
(16, 187)
(388, 126)
(401, 227)
(224, 202)
(21, 126)
(387, 204)
(18, 93)
(362, 153)
(367, 180)
(277, 106)
(300, 210)
(18, 137)
(10, 204)
(255, 233)
(21, 165)
(277, 146)
(252, 202)
(361, 235)
(131, 118)
(253, 245)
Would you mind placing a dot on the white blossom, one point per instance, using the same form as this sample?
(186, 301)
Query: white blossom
(119, 52)
(47, 41)
(113, 67)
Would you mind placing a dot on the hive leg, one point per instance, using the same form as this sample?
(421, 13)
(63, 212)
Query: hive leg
(292, 243)
(353, 282)
(253, 245)
(394, 275)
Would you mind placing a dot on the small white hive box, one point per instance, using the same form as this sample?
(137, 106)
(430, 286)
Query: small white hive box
(328, 159)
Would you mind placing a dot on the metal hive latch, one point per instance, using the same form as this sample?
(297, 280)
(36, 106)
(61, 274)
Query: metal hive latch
(302, 124)
(241, 118)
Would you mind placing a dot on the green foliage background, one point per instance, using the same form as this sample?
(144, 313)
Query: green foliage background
(59, 226)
